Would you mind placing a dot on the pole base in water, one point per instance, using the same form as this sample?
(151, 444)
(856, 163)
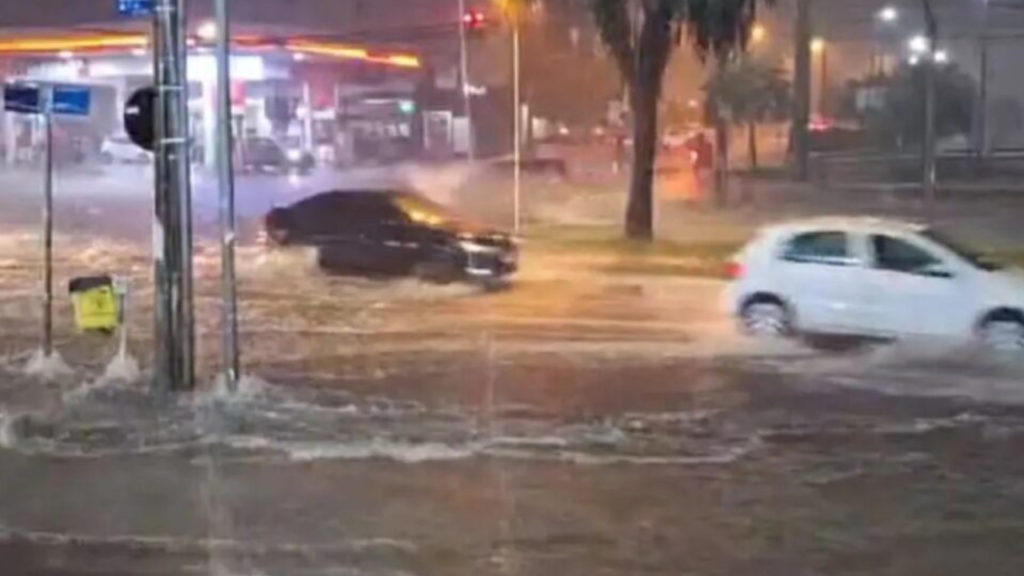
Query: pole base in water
(47, 367)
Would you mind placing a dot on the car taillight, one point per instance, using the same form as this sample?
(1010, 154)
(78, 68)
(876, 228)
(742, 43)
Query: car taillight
(735, 270)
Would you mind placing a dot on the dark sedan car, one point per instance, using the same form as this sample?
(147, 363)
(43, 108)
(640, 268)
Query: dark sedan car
(393, 233)
(266, 155)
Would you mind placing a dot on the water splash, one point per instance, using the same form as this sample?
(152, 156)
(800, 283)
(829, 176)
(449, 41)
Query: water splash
(47, 367)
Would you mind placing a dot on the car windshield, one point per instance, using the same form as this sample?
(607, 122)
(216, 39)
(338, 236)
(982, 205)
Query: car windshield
(973, 257)
(423, 211)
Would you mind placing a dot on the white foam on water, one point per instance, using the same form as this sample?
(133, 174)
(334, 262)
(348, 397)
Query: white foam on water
(8, 437)
(50, 367)
(549, 449)
(249, 389)
(185, 543)
(123, 368)
(375, 449)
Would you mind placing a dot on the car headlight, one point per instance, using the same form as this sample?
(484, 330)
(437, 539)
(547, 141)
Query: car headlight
(470, 247)
(295, 155)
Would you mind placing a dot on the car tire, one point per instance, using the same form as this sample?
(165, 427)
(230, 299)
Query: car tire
(439, 269)
(1002, 330)
(766, 317)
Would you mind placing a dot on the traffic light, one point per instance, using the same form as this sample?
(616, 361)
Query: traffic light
(474, 21)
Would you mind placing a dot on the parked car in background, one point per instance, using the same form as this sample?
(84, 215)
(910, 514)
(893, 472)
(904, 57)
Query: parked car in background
(874, 277)
(259, 154)
(393, 233)
(118, 149)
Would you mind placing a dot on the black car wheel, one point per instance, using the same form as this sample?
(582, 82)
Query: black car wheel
(437, 269)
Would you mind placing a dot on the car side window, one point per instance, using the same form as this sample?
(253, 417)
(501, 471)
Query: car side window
(827, 247)
(901, 256)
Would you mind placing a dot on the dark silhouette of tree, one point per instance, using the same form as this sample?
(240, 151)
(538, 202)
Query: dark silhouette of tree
(640, 36)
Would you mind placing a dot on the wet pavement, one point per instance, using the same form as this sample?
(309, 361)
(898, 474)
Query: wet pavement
(573, 424)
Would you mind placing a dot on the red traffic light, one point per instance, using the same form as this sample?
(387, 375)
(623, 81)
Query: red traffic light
(474, 19)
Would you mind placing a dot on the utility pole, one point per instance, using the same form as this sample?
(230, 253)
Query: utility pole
(800, 137)
(464, 84)
(981, 106)
(928, 176)
(226, 182)
(172, 230)
(517, 99)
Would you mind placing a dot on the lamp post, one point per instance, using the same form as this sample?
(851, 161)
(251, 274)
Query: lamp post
(465, 85)
(820, 48)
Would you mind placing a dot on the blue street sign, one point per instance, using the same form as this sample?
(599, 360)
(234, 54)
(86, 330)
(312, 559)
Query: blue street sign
(71, 100)
(135, 8)
(23, 99)
(29, 99)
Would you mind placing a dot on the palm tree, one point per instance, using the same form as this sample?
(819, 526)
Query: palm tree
(747, 93)
(640, 35)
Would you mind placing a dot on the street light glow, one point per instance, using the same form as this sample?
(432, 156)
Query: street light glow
(941, 57)
(758, 33)
(888, 14)
(818, 45)
(207, 31)
(918, 44)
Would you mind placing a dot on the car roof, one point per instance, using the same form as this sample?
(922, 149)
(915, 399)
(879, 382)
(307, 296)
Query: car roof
(356, 195)
(864, 224)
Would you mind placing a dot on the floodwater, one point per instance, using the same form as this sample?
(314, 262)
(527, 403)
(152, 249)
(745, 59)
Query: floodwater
(573, 424)
(572, 428)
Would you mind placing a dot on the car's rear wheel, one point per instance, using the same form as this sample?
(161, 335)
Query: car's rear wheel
(766, 317)
(1003, 331)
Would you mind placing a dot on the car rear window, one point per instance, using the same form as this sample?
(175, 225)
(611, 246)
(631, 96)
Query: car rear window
(825, 247)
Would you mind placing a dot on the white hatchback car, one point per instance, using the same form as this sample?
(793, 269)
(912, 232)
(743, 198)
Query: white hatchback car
(864, 276)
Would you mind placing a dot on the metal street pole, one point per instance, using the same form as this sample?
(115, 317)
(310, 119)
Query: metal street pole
(48, 226)
(823, 88)
(928, 176)
(981, 111)
(172, 234)
(465, 85)
(226, 182)
(802, 88)
(517, 100)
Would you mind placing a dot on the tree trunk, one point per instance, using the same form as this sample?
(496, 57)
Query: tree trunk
(640, 210)
(752, 144)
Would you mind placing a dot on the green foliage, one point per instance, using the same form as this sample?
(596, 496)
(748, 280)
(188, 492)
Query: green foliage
(752, 90)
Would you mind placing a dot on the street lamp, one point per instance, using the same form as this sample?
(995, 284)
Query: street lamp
(758, 33)
(207, 31)
(941, 57)
(919, 44)
(888, 15)
(818, 47)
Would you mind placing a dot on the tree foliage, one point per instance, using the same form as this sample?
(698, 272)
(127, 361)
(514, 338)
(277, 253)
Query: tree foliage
(640, 35)
(753, 91)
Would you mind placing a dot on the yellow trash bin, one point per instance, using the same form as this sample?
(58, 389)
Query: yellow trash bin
(95, 303)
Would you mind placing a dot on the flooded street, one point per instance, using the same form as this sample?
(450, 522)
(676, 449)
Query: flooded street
(572, 424)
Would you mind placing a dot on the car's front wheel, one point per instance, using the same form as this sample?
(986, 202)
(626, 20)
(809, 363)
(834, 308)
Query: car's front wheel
(1003, 331)
(437, 269)
(765, 318)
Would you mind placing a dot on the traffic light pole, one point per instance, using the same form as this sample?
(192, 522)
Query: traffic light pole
(172, 229)
(464, 84)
